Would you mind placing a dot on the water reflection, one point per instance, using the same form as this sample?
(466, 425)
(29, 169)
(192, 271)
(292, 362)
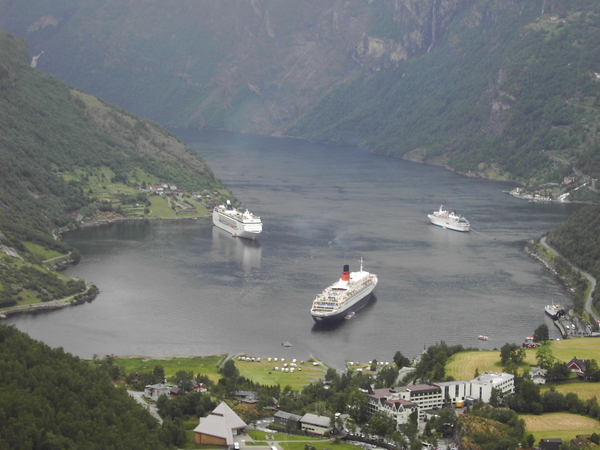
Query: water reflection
(248, 252)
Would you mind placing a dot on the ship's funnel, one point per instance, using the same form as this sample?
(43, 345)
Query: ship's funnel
(346, 273)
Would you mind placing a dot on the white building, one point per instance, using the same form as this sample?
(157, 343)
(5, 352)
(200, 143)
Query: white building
(315, 424)
(153, 391)
(538, 375)
(389, 402)
(481, 387)
(400, 402)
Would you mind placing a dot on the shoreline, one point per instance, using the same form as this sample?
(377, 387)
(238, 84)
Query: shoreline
(51, 305)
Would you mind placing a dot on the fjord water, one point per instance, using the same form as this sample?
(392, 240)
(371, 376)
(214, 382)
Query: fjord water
(186, 288)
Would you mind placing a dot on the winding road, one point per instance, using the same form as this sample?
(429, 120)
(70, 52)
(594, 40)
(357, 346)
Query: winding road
(588, 302)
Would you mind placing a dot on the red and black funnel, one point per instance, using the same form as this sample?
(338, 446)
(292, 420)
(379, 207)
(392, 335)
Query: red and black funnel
(346, 273)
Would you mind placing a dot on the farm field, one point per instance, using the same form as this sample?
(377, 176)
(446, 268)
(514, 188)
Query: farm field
(462, 366)
(206, 365)
(559, 425)
(584, 390)
(582, 348)
(264, 372)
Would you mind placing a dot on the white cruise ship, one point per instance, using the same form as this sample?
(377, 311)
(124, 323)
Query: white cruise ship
(348, 294)
(449, 219)
(245, 225)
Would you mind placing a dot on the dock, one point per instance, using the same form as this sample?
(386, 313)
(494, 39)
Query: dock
(560, 328)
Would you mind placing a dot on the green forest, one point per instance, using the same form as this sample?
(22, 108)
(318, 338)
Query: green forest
(578, 241)
(50, 399)
(65, 156)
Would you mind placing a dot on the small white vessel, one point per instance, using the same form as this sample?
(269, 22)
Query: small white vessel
(345, 296)
(449, 219)
(483, 337)
(244, 225)
(554, 311)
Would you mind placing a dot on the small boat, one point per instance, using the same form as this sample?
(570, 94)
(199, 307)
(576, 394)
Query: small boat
(483, 337)
(286, 344)
(350, 315)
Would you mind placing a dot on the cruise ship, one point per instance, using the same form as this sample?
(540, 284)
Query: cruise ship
(244, 225)
(449, 219)
(554, 311)
(348, 294)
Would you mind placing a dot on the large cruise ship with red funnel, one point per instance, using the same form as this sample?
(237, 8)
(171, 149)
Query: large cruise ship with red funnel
(348, 294)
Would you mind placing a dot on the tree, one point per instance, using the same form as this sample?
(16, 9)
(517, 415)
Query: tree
(331, 374)
(511, 352)
(400, 360)
(541, 333)
(386, 377)
(558, 372)
(159, 372)
(592, 372)
(495, 397)
(229, 370)
(544, 357)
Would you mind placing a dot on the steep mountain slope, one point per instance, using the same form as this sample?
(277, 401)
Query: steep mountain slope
(500, 88)
(63, 156)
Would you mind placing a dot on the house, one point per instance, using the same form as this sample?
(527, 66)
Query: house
(581, 440)
(285, 419)
(219, 427)
(550, 444)
(577, 366)
(153, 391)
(314, 424)
(248, 397)
(538, 375)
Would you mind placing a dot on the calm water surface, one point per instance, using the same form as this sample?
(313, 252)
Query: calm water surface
(186, 288)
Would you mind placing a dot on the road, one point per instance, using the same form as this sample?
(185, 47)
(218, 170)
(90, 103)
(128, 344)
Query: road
(588, 302)
(151, 407)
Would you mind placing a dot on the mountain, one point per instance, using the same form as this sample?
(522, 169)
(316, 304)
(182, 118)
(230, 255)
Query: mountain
(67, 158)
(496, 88)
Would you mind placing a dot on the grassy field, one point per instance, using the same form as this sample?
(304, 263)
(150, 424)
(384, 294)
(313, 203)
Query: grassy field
(584, 390)
(318, 444)
(462, 365)
(582, 348)
(264, 373)
(41, 251)
(206, 365)
(257, 435)
(559, 425)
(160, 207)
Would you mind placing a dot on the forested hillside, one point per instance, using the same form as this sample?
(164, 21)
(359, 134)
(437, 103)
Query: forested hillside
(50, 399)
(64, 156)
(578, 240)
(502, 89)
